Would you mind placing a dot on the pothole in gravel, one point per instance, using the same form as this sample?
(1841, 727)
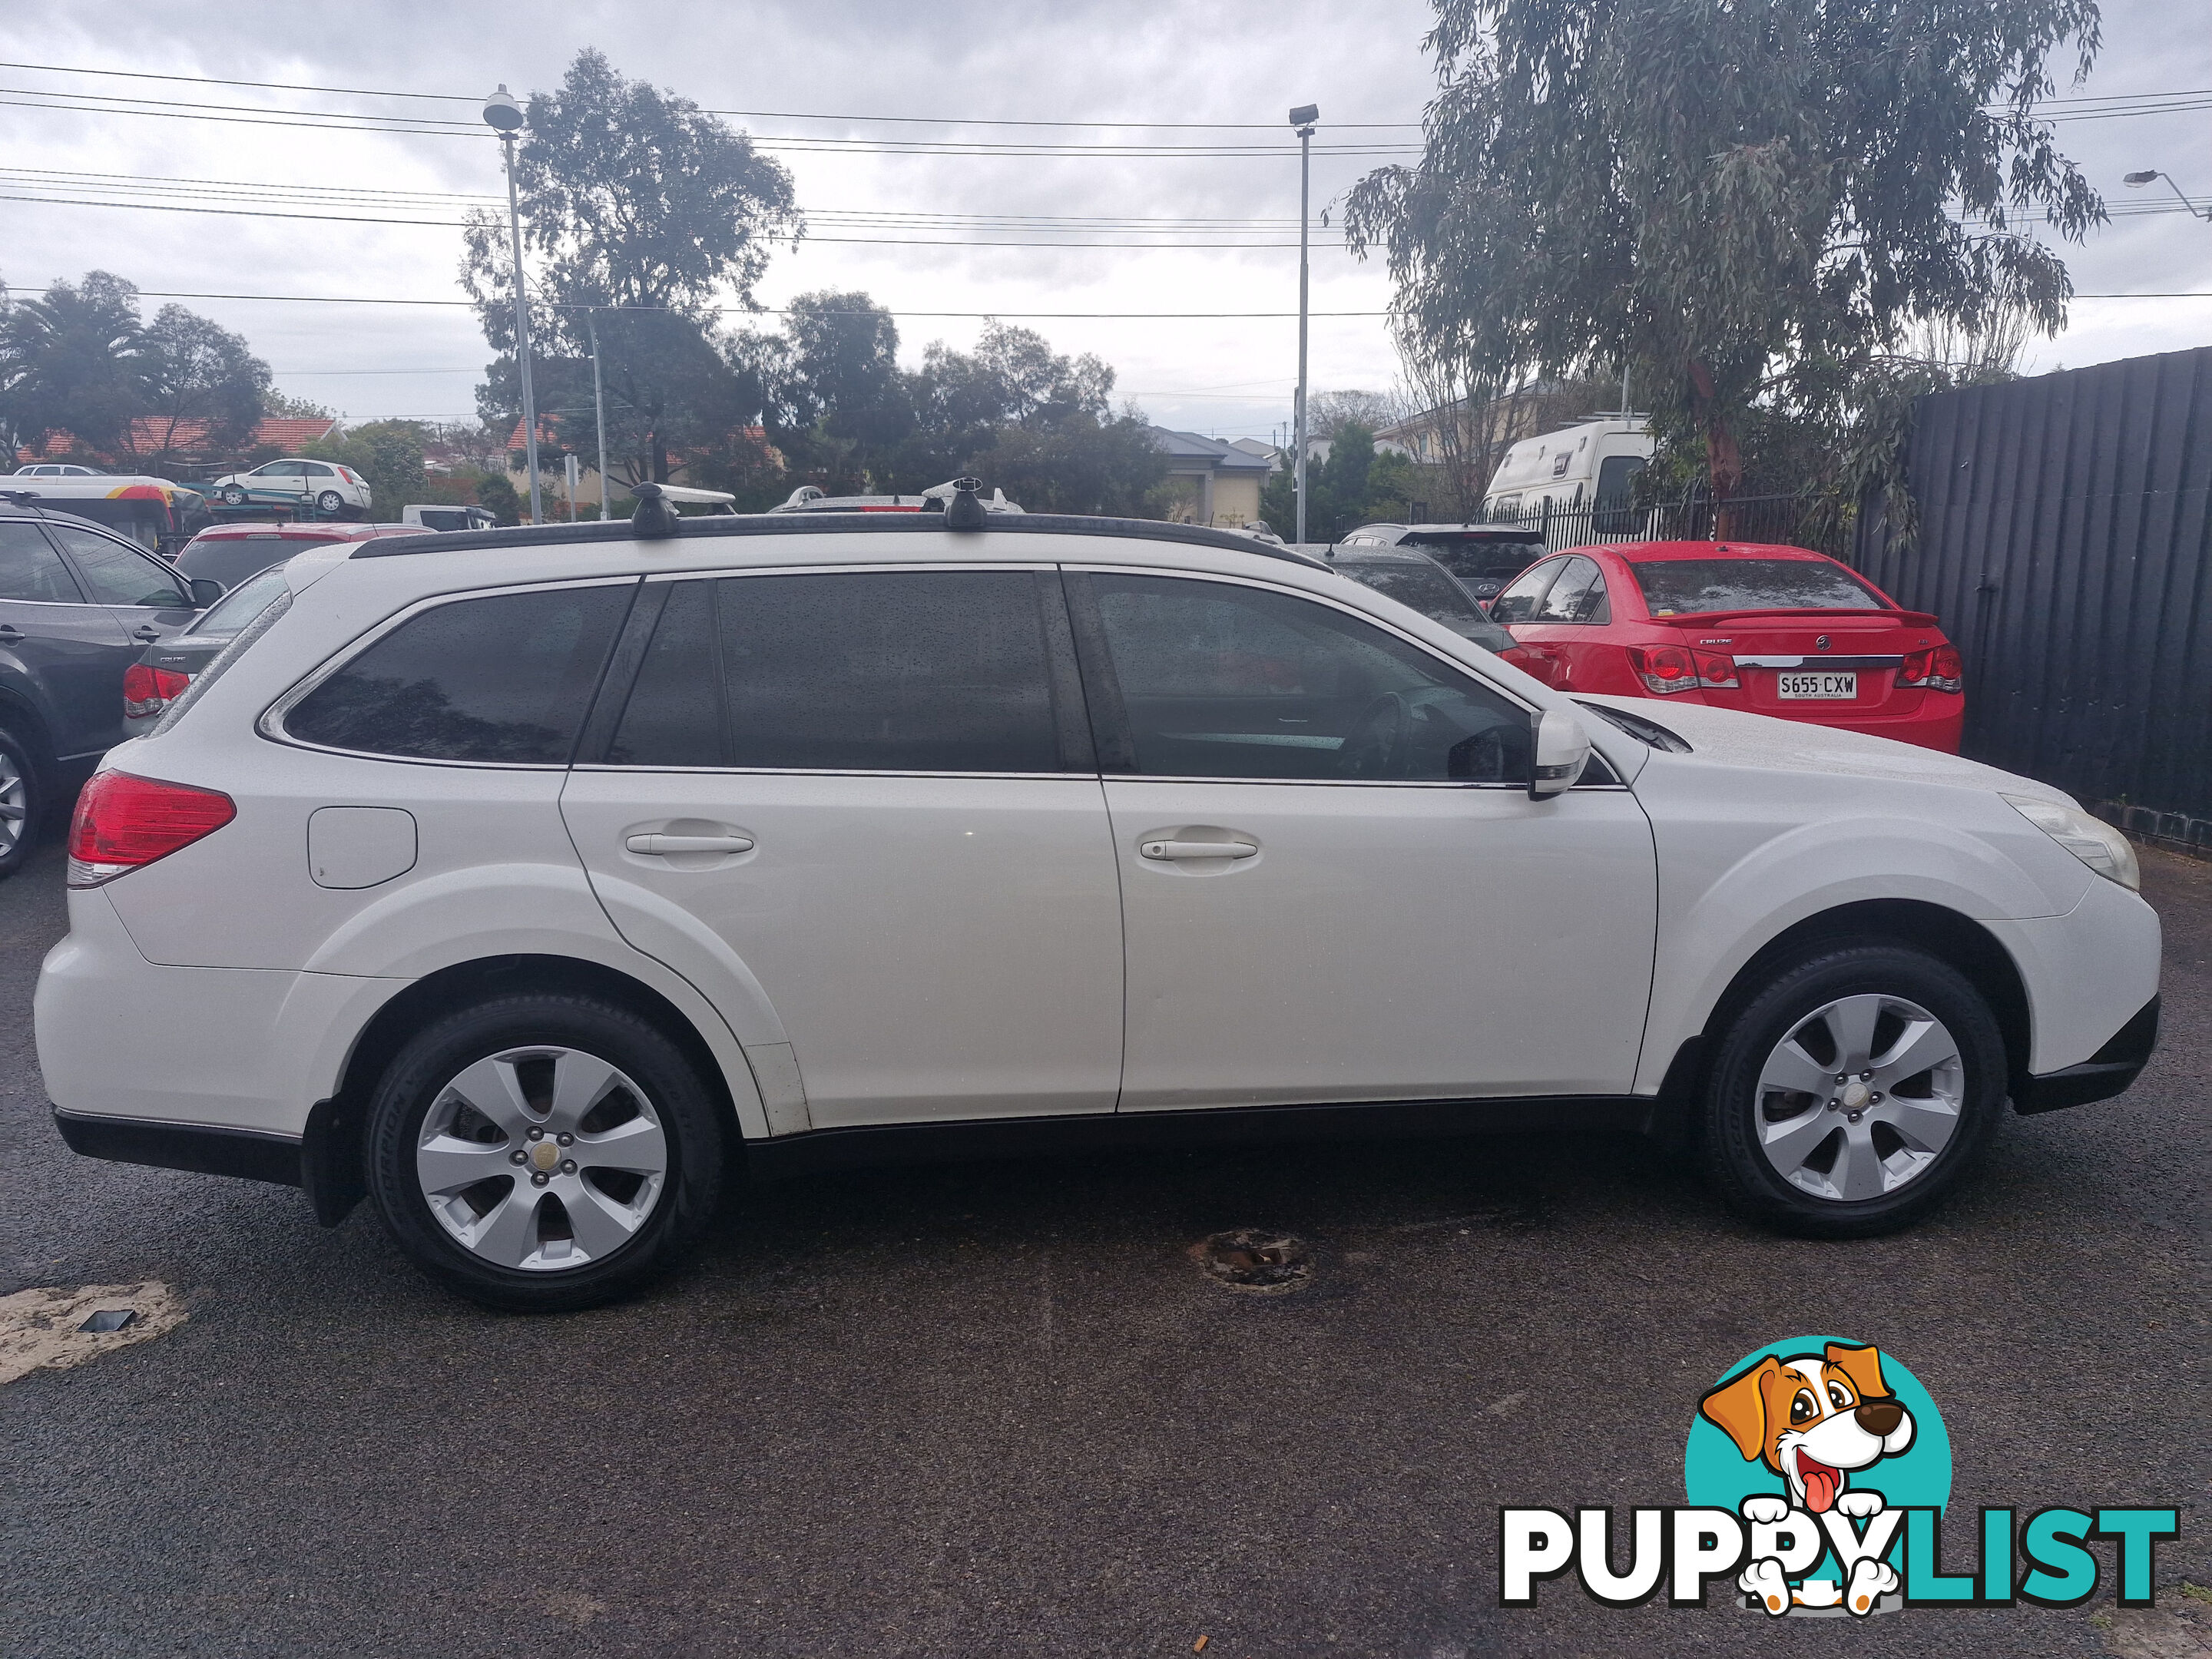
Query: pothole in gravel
(1255, 1259)
(45, 1329)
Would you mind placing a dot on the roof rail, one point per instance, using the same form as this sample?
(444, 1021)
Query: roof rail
(711, 526)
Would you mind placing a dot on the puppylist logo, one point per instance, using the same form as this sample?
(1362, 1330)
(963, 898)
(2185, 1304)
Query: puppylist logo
(1818, 1470)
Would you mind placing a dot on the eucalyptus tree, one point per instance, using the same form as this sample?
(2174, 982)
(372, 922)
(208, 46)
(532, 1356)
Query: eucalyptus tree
(1739, 202)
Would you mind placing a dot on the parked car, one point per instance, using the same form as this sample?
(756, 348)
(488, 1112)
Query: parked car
(439, 516)
(809, 498)
(168, 666)
(77, 606)
(320, 487)
(55, 470)
(1770, 629)
(1413, 579)
(1485, 558)
(548, 862)
(230, 553)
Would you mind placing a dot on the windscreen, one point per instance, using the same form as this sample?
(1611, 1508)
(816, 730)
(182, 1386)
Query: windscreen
(1423, 587)
(1485, 559)
(1689, 587)
(229, 615)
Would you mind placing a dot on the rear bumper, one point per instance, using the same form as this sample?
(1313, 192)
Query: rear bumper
(252, 1154)
(2111, 1070)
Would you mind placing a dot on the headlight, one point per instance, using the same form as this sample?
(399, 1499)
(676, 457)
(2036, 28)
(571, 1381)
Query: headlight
(2093, 841)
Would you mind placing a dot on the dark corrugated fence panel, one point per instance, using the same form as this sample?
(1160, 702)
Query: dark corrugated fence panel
(2066, 543)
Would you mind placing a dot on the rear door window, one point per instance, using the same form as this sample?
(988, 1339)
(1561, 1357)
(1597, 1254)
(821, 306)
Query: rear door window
(30, 570)
(1519, 603)
(120, 575)
(866, 671)
(1577, 594)
(1688, 588)
(502, 679)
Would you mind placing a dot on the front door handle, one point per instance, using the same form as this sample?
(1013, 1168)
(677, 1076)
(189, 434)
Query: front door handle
(659, 846)
(1196, 849)
(9, 632)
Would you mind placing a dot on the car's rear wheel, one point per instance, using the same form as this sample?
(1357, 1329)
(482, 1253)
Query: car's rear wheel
(329, 502)
(19, 801)
(1849, 1096)
(542, 1152)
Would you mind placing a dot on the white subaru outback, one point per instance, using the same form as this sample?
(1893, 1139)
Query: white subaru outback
(514, 877)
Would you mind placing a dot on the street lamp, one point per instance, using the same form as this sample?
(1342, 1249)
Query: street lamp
(2137, 180)
(505, 117)
(1304, 118)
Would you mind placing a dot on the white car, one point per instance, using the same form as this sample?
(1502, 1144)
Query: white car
(56, 469)
(511, 886)
(319, 486)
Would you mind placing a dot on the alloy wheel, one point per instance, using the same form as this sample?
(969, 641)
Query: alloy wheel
(542, 1158)
(1860, 1098)
(15, 803)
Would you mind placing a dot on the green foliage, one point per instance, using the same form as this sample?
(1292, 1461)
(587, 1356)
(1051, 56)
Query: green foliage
(1744, 203)
(495, 492)
(1076, 463)
(78, 360)
(639, 207)
(1354, 486)
(282, 406)
(389, 454)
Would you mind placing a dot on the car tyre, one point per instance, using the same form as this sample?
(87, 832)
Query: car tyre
(22, 798)
(233, 496)
(329, 503)
(531, 1061)
(1847, 1157)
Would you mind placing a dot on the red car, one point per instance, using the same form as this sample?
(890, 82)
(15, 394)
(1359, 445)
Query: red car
(1771, 630)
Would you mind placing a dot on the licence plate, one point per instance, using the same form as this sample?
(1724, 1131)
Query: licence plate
(1830, 688)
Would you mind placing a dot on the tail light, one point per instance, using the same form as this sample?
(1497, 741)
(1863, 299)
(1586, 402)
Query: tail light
(1936, 669)
(123, 822)
(147, 690)
(1667, 668)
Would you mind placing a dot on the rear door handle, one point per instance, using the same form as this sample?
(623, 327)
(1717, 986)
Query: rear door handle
(1197, 849)
(147, 632)
(9, 632)
(659, 846)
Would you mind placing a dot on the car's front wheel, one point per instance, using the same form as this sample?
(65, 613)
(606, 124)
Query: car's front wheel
(233, 496)
(543, 1152)
(19, 802)
(1848, 1096)
(329, 502)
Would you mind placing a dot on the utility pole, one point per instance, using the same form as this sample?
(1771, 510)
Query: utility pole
(598, 406)
(504, 115)
(1302, 119)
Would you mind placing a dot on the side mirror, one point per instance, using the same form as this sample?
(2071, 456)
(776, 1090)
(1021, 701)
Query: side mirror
(205, 591)
(1562, 750)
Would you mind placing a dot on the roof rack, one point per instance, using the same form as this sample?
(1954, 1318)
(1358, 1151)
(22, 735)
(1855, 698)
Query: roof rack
(712, 526)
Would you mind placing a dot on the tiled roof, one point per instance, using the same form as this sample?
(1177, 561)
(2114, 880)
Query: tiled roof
(150, 436)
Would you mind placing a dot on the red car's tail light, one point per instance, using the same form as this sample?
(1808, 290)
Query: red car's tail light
(1664, 668)
(1936, 669)
(1717, 669)
(123, 822)
(145, 689)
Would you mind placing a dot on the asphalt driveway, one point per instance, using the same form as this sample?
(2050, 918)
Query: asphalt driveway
(997, 1408)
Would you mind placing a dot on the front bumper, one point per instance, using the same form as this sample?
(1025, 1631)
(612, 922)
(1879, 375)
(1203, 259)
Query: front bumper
(2111, 1070)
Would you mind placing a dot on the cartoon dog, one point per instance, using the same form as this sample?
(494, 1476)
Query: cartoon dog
(1814, 1419)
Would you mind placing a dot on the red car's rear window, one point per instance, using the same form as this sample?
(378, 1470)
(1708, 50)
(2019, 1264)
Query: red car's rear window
(1689, 587)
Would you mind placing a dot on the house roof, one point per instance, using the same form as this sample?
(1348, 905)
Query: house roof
(151, 435)
(1190, 447)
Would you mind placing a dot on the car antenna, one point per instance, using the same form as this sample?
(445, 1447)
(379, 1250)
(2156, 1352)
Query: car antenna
(964, 511)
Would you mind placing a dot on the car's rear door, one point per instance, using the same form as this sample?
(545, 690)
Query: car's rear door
(858, 808)
(60, 654)
(1562, 632)
(1388, 915)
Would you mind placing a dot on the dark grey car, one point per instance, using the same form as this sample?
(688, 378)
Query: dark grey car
(165, 667)
(1417, 581)
(1485, 558)
(77, 606)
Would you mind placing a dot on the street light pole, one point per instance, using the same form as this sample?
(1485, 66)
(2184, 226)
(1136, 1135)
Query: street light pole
(2137, 180)
(505, 116)
(1303, 118)
(598, 406)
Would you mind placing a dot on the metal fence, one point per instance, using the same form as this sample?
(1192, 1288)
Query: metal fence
(1789, 519)
(2065, 541)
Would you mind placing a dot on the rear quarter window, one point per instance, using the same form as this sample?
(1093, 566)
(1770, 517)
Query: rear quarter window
(501, 679)
(1689, 587)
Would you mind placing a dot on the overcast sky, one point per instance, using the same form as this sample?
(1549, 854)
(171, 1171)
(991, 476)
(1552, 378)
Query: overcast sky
(1074, 61)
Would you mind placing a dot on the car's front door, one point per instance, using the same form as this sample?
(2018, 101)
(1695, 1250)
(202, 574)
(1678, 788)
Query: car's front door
(1388, 915)
(64, 656)
(858, 808)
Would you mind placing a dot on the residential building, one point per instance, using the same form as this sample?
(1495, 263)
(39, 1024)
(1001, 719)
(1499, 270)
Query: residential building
(1212, 481)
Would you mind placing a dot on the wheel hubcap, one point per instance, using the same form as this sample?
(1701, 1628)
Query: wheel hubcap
(15, 803)
(542, 1158)
(1859, 1097)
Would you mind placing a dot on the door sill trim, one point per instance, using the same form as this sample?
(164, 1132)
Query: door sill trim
(783, 1157)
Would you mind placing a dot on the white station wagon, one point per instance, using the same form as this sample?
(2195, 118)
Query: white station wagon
(511, 877)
